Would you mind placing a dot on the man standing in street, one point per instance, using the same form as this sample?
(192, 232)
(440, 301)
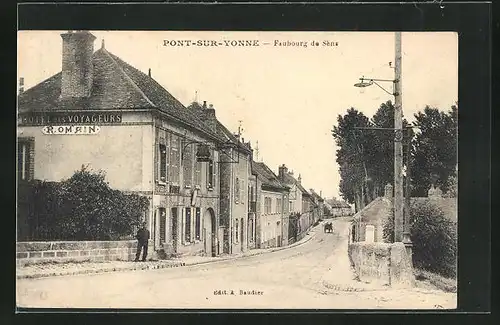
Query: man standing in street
(142, 243)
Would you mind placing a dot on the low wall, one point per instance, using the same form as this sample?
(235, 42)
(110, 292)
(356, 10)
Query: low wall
(74, 251)
(383, 263)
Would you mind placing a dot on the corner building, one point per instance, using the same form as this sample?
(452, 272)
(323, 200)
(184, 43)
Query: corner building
(101, 112)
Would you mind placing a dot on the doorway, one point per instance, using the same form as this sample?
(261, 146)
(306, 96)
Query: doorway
(242, 232)
(174, 229)
(278, 234)
(209, 233)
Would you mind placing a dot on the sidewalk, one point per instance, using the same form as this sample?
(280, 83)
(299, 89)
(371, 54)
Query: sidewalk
(63, 269)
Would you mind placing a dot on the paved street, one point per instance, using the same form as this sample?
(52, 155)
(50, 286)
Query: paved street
(290, 278)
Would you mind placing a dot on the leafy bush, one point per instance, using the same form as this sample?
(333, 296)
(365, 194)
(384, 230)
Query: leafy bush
(434, 239)
(82, 207)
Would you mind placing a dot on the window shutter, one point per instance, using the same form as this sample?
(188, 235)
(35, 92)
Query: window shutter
(187, 163)
(174, 159)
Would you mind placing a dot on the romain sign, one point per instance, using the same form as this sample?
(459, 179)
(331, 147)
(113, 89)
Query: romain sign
(71, 129)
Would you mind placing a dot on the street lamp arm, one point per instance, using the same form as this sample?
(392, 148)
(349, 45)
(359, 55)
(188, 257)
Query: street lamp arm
(372, 81)
(380, 80)
(384, 89)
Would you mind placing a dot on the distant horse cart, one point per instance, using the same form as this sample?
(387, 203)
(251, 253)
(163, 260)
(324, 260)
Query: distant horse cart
(328, 227)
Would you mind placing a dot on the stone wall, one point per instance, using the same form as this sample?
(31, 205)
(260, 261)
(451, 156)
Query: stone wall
(382, 263)
(74, 251)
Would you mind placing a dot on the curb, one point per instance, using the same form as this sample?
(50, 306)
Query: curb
(159, 265)
(271, 250)
(95, 271)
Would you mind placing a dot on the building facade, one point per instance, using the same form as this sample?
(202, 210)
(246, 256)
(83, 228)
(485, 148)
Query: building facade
(295, 188)
(301, 210)
(235, 170)
(101, 112)
(272, 208)
(318, 203)
(338, 208)
(252, 210)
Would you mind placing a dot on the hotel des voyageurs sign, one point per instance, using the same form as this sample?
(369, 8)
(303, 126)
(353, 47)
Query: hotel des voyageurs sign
(69, 123)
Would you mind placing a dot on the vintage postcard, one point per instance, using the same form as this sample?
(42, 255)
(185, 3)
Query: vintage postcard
(248, 170)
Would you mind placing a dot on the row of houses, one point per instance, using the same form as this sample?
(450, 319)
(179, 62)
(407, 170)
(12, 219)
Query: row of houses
(337, 208)
(207, 194)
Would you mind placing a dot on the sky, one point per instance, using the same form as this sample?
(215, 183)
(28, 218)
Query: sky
(287, 98)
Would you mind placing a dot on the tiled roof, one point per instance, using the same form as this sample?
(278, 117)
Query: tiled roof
(316, 195)
(116, 85)
(338, 204)
(289, 179)
(221, 131)
(266, 175)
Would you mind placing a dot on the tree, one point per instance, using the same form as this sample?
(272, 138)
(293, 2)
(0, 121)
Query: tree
(382, 157)
(435, 150)
(365, 152)
(351, 156)
(452, 187)
(83, 207)
(434, 238)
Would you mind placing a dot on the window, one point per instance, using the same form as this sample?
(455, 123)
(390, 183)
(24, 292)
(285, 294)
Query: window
(278, 205)
(197, 173)
(237, 190)
(242, 191)
(174, 160)
(25, 159)
(187, 164)
(187, 232)
(197, 224)
(236, 231)
(267, 205)
(250, 193)
(210, 174)
(163, 162)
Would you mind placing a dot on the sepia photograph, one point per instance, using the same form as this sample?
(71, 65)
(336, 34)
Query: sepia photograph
(237, 170)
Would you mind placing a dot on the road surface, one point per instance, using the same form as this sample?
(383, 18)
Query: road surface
(290, 278)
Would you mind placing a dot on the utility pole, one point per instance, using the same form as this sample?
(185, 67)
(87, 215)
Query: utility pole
(398, 145)
(407, 215)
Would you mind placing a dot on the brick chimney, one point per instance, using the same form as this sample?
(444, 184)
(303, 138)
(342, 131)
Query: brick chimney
(77, 69)
(299, 179)
(208, 114)
(282, 171)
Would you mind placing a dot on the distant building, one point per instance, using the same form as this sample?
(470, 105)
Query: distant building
(338, 208)
(272, 210)
(318, 203)
(301, 204)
